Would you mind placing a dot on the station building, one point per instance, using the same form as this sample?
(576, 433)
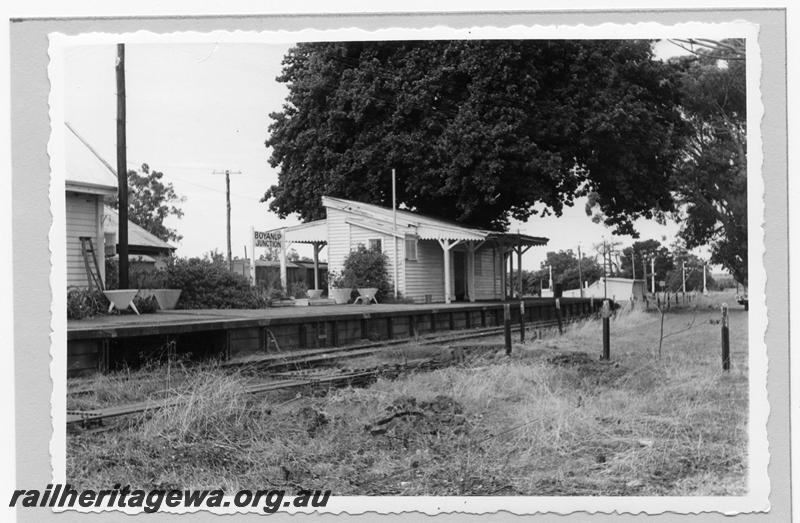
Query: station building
(430, 259)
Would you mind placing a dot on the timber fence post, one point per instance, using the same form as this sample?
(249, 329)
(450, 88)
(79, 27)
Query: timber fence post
(606, 330)
(725, 334)
(558, 316)
(507, 325)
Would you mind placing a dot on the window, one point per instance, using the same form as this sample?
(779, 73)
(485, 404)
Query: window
(411, 248)
(375, 245)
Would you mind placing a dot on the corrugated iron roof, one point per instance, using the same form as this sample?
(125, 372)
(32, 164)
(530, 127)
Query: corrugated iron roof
(137, 236)
(86, 171)
(426, 227)
(311, 232)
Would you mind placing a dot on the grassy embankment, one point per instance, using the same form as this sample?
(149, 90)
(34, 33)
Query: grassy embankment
(547, 421)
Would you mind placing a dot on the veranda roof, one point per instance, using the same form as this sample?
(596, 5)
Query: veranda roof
(311, 232)
(424, 227)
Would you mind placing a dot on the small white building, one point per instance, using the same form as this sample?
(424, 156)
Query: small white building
(429, 258)
(617, 289)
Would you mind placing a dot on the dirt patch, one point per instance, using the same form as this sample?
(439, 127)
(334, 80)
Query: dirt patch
(589, 370)
(406, 416)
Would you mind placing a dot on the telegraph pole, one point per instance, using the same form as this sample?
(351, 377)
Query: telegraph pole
(227, 173)
(653, 274)
(580, 274)
(394, 230)
(122, 170)
(683, 276)
(605, 271)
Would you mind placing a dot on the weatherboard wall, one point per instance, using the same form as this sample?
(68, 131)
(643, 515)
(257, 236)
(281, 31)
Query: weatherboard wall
(84, 218)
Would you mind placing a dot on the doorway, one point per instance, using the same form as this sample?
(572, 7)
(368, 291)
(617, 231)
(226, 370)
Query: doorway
(459, 275)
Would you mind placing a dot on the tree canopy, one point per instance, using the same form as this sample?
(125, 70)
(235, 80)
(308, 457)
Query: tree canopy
(710, 181)
(479, 131)
(150, 202)
(565, 271)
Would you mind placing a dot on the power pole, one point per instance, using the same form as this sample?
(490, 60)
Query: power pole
(653, 274)
(394, 231)
(683, 276)
(227, 173)
(580, 274)
(122, 170)
(605, 272)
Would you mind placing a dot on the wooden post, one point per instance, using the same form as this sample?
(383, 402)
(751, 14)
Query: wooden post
(519, 263)
(606, 330)
(507, 325)
(558, 316)
(511, 273)
(521, 321)
(471, 271)
(448, 286)
(282, 261)
(725, 333)
(316, 265)
(122, 171)
(653, 274)
(104, 356)
(253, 256)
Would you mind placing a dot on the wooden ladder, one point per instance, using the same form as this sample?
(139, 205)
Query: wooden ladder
(92, 268)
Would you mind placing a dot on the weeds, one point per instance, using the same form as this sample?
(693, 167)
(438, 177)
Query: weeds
(550, 420)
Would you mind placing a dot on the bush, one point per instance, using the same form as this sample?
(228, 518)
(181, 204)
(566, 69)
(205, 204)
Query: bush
(145, 305)
(367, 268)
(297, 289)
(208, 285)
(337, 280)
(139, 277)
(83, 303)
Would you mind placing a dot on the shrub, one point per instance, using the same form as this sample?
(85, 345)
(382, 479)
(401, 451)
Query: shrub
(145, 305)
(367, 268)
(337, 280)
(83, 303)
(208, 285)
(297, 289)
(139, 277)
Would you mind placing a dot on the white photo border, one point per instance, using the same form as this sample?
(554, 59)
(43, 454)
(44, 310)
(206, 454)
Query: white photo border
(757, 498)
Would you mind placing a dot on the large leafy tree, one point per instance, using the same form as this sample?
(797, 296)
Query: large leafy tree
(479, 131)
(711, 178)
(151, 201)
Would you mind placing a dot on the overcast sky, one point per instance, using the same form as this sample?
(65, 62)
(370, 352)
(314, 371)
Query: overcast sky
(196, 108)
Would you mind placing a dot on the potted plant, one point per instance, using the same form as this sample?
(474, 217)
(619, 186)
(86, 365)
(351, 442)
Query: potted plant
(367, 270)
(314, 294)
(340, 287)
(154, 284)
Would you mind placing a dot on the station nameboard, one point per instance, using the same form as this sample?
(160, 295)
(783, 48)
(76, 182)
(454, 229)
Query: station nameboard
(267, 238)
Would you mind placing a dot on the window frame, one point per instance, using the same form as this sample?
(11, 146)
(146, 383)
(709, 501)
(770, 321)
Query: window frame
(414, 239)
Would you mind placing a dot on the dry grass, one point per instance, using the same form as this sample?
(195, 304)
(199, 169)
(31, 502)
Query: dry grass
(547, 421)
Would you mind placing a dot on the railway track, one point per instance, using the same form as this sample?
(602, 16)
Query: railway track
(298, 359)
